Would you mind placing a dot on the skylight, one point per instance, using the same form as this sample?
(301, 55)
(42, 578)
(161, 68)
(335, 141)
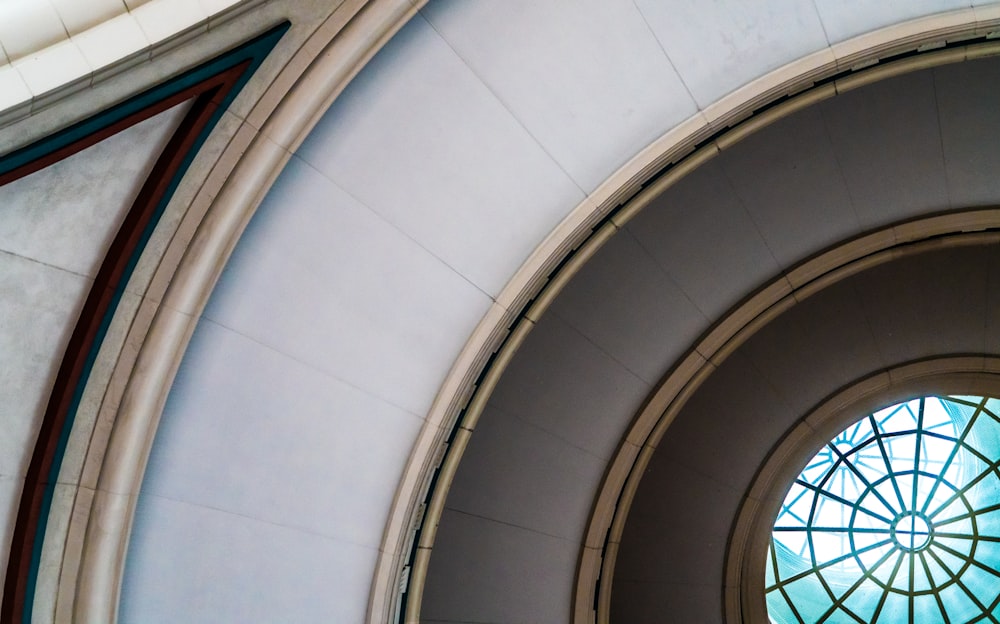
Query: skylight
(895, 520)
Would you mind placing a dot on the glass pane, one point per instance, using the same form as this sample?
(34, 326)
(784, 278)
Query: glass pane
(896, 519)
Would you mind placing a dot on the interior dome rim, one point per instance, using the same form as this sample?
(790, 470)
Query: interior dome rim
(745, 601)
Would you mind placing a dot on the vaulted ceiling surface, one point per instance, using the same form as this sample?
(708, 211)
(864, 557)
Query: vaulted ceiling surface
(397, 228)
(673, 553)
(855, 163)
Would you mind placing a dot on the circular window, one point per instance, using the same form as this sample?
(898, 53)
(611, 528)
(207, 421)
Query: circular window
(896, 519)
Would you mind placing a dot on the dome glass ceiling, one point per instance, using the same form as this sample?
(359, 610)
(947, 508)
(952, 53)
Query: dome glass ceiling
(895, 520)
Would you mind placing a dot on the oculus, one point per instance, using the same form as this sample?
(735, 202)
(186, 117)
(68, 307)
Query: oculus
(896, 519)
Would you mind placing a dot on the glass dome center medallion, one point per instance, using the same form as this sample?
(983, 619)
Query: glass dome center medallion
(911, 531)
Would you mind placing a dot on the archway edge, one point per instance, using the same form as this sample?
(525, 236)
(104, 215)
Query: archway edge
(626, 193)
(226, 191)
(246, 169)
(613, 503)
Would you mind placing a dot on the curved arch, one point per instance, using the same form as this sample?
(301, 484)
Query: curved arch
(640, 443)
(243, 189)
(749, 317)
(869, 325)
(236, 182)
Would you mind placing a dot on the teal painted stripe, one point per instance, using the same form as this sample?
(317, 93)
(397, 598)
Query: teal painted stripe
(254, 51)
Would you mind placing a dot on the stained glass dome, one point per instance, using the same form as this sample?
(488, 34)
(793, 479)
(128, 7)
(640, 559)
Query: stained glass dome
(895, 520)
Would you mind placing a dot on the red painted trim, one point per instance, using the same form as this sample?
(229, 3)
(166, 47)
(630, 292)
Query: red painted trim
(208, 94)
(127, 122)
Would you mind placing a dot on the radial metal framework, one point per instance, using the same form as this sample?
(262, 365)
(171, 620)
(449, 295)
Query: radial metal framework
(896, 519)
